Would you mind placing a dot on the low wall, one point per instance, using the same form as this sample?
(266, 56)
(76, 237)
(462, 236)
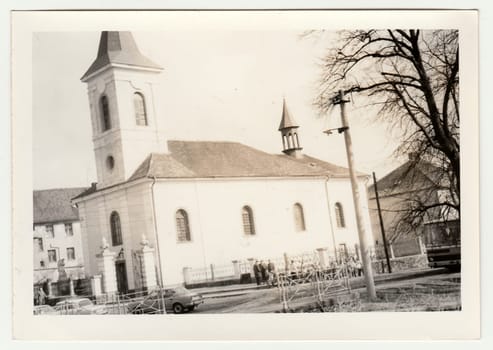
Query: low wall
(401, 264)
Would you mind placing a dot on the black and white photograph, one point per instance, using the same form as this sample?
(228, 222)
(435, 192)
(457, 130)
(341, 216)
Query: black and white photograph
(205, 169)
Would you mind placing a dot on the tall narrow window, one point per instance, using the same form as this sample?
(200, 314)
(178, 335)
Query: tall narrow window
(69, 231)
(105, 113)
(140, 109)
(50, 231)
(52, 255)
(116, 229)
(248, 223)
(71, 253)
(182, 226)
(39, 244)
(299, 217)
(340, 215)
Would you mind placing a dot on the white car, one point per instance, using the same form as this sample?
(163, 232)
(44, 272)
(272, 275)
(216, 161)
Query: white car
(80, 306)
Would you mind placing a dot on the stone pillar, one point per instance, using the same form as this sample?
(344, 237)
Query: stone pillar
(321, 257)
(106, 266)
(236, 269)
(96, 285)
(422, 248)
(72, 291)
(148, 265)
(187, 275)
(50, 289)
(392, 256)
(251, 262)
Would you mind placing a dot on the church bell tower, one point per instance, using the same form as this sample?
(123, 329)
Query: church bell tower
(126, 127)
(289, 133)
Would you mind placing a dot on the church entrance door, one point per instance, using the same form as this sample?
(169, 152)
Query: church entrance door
(121, 276)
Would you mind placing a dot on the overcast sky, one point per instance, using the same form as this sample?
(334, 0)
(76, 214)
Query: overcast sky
(215, 86)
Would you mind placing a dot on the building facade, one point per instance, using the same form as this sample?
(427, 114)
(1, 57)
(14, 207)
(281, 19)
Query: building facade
(56, 235)
(197, 203)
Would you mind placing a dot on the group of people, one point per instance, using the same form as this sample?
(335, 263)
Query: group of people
(264, 272)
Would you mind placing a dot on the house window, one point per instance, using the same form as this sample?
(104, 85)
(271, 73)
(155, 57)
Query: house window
(140, 109)
(182, 226)
(69, 231)
(116, 229)
(70, 253)
(248, 223)
(50, 231)
(299, 218)
(105, 113)
(52, 255)
(38, 242)
(340, 215)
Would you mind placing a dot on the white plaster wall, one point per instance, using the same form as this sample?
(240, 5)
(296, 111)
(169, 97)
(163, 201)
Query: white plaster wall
(133, 205)
(59, 243)
(214, 212)
(339, 190)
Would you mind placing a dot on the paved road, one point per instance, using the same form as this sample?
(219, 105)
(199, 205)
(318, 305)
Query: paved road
(434, 289)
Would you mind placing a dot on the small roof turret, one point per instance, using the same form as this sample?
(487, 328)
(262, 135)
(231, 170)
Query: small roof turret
(118, 48)
(287, 121)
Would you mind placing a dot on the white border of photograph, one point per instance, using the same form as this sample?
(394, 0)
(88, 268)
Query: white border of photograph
(464, 324)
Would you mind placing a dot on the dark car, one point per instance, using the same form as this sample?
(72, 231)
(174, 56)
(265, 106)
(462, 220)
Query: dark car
(177, 300)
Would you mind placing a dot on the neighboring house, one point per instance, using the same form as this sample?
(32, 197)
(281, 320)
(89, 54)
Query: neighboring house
(57, 234)
(199, 203)
(411, 184)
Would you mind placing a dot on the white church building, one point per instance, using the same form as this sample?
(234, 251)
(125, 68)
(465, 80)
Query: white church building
(197, 203)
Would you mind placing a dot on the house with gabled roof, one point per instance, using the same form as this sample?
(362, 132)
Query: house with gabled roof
(56, 234)
(197, 204)
(414, 183)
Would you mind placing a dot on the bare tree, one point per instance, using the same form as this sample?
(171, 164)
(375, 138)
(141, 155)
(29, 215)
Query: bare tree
(413, 76)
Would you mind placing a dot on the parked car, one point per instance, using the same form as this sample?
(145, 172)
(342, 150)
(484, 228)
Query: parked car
(177, 300)
(44, 310)
(79, 306)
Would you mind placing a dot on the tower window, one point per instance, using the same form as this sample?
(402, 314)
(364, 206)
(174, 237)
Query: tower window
(110, 162)
(182, 226)
(299, 218)
(340, 215)
(105, 113)
(71, 253)
(69, 230)
(52, 256)
(140, 109)
(248, 223)
(116, 229)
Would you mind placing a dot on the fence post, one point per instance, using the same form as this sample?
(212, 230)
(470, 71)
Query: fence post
(50, 289)
(212, 272)
(187, 275)
(236, 269)
(392, 256)
(286, 261)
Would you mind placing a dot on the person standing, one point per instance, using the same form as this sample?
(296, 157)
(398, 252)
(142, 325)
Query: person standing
(263, 271)
(256, 272)
(271, 270)
(41, 296)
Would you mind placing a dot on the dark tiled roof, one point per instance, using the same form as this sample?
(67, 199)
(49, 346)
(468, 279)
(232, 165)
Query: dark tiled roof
(54, 205)
(119, 48)
(286, 121)
(201, 159)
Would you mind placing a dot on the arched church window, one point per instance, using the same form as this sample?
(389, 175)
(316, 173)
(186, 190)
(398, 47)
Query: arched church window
(299, 217)
(248, 223)
(105, 113)
(140, 109)
(340, 215)
(116, 229)
(182, 226)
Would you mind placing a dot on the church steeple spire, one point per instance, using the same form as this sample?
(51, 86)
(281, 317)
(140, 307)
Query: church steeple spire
(119, 49)
(289, 133)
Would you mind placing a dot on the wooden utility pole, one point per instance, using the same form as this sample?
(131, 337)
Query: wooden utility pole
(365, 252)
(382, 228)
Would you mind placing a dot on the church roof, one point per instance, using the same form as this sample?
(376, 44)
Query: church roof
(286, 121)
(118, 48)
(203, 159)
(54, 205)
